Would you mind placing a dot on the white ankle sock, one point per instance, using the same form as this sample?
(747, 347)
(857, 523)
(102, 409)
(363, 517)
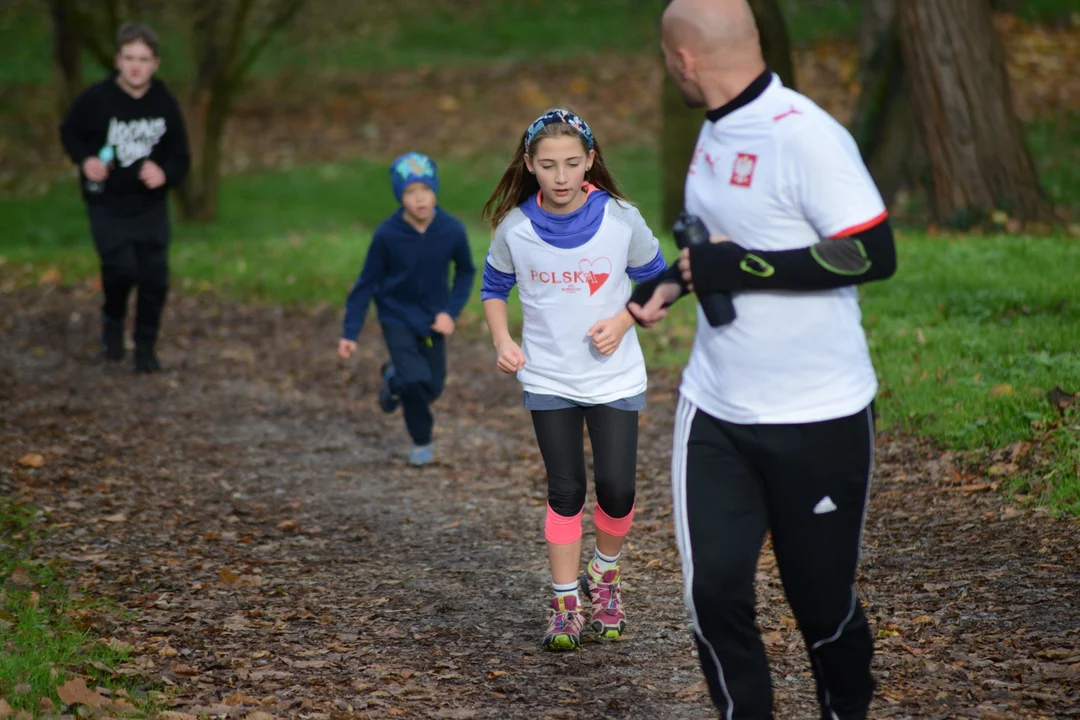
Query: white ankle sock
(601, 563)
(565, 590)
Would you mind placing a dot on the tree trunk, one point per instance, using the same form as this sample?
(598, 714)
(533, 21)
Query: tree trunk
(680, 125)
(223, 56)
(198, 196)
(884, 123)
(678, 134)
(775, 41)
(95, 23)
(975, 142)
(66, 46)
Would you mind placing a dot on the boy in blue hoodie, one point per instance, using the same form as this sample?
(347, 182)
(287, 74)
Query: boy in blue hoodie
(407, 273)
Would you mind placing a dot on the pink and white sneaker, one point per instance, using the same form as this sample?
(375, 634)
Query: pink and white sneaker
(608, 620)
(565, 623)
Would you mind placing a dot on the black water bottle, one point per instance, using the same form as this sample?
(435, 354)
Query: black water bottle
(690, 230)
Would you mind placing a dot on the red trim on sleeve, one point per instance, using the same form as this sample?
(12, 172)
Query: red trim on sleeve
(856, 229)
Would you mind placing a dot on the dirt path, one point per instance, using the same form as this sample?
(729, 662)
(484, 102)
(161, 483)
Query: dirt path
(252, 509)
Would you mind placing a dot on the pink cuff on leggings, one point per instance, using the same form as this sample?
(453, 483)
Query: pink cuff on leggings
(617, 527)
(560, 529)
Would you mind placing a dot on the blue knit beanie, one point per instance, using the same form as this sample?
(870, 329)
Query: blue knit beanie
(413, 167)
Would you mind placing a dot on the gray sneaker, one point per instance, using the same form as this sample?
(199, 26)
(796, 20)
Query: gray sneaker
(422, 455)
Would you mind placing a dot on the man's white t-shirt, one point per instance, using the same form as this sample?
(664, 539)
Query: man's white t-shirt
(778, 174)
(564, 292)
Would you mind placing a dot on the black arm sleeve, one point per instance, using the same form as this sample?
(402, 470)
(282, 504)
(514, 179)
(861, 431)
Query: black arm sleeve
(859, 258)
(73, 129)
(645, 290)
(175, 159)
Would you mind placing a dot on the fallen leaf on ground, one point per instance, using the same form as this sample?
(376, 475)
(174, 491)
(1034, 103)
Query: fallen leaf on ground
(19, 576)
(239, 698)
(774, 638)
(181, 669)
(75, 692)
(34, 460)
(52, 276)
(118, 645)
(974, 487)
(1001, 390)
(1060, 399)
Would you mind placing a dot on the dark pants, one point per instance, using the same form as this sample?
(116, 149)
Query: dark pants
(614, 440)
(807, 484)
(419, 376)
(134, 252)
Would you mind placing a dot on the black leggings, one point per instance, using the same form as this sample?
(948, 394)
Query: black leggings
(614, 441)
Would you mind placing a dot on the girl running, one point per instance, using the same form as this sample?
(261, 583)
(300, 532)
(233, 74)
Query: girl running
(566, 236)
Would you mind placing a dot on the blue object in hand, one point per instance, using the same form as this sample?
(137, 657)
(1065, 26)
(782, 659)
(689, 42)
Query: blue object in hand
(106, 156)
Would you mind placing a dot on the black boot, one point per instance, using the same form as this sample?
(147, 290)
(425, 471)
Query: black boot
(145, 359)
(112, 338)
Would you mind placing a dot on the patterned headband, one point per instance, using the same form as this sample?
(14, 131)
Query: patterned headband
(559, 116)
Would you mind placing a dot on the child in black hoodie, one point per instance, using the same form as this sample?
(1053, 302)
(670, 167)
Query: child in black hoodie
(127, 136)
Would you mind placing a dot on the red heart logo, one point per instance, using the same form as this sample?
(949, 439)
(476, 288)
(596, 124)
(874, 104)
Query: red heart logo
(596, 273)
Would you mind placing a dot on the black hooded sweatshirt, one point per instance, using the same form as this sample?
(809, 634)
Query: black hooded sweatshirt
(136, 128)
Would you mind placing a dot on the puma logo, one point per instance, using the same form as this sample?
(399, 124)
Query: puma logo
(789, 113)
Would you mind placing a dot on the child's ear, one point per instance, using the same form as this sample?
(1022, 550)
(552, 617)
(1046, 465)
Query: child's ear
(528, 163)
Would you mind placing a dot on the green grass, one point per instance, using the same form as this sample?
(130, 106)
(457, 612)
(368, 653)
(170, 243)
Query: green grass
(1044, 11)
(297, 236)
(1055, 146)
(969, 337)
(963, 318)
(44, 640)
(341, 37)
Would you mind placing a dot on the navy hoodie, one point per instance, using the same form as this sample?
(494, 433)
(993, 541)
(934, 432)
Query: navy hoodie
(407, 273)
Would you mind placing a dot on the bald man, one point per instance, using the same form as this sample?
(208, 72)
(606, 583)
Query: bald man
(774, 428)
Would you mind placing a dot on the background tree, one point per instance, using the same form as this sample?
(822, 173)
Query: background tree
(975, 142)
(227, 37)
(678, 133)
(883, 123)
(66, 51)
(680, 126)
(775, 39)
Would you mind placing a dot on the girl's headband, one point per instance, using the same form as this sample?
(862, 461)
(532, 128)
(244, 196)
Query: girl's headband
(559, 116)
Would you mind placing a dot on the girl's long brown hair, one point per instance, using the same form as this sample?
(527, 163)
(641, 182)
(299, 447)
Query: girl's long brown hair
(518, 184)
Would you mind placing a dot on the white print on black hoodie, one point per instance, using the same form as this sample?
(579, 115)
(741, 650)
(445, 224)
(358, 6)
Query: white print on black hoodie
(133, 140)
(136, 128)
